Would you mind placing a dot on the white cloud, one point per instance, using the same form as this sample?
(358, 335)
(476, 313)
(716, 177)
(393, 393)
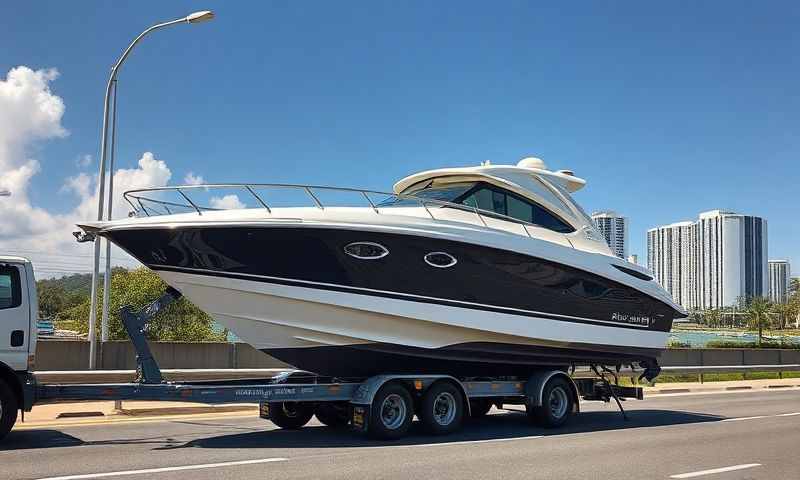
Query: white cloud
(84, 161)
(227, 202)
(192, 179)
(31, 113)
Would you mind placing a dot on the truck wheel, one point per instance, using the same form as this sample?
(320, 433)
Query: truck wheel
(8, 409)
(557, 404)
(391, 412)
(479, 407)
(332, 415)
(290, 415)
(442, 408)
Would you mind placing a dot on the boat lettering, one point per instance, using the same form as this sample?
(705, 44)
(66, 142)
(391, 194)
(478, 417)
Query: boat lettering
(634, 319)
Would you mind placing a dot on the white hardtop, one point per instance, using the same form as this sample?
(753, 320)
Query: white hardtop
(522, 173)
(530, 178)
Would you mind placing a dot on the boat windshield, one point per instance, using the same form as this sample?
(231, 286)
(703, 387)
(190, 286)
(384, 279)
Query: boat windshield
(577, 206)
(448, 192)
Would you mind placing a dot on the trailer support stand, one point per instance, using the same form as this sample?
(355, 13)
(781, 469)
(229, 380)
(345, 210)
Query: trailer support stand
(611, 391)
(135, 323)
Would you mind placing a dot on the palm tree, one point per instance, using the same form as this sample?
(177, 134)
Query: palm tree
(713, 317)
(784, 311)
(758, 315)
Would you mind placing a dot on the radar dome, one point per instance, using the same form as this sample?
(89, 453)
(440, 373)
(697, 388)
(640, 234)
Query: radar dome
(532, 162)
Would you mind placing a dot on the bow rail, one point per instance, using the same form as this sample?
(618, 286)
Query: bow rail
(150, 202)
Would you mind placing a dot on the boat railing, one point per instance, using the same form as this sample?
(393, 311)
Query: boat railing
(151, 202)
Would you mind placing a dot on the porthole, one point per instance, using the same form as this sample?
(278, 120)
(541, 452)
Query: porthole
(366, 250)
(440, 259)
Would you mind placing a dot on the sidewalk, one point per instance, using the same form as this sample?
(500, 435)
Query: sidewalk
(96, 411)
(697, 387)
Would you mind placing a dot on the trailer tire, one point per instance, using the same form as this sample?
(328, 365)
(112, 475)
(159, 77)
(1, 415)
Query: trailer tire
(478, 408)
(442, 408)
(290, 415)
(8, 409)
(332, 415)
(391, 412)
(557, 405)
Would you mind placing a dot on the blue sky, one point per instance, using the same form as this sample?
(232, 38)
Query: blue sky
(667, 109)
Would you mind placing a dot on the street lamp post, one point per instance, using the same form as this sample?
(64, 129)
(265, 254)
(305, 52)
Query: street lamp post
(196, 17)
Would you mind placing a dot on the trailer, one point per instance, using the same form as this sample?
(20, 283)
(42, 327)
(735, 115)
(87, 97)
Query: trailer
(381, 406)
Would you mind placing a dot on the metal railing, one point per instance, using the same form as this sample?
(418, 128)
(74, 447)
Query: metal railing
(142, 201)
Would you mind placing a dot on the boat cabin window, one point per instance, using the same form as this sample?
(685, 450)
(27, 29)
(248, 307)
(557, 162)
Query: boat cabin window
(447, 192)
(497, 200)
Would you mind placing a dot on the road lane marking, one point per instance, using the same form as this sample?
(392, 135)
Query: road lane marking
(459, 442)
(167, 469)
(738, 419)
(788, 414)
(716, 470)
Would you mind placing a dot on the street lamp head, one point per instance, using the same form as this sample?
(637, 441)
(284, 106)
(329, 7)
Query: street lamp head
(5, 193)
(198, 17)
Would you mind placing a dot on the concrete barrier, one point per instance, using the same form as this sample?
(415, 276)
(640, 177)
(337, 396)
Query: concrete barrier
(70, 355)
(61, 355)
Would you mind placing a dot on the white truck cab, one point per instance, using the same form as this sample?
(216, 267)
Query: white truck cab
(18, 315)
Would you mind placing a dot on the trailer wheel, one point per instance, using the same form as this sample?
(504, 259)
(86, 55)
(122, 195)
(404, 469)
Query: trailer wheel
(290, 415)
(391, 412)
(8, 409)
(333, 415)
(442, 408)
(479, 407)
(557, 404)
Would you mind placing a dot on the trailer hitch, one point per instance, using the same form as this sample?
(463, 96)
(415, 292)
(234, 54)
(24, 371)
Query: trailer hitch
(135, 323)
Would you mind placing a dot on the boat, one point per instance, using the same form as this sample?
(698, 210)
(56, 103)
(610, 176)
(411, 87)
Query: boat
(490, 270)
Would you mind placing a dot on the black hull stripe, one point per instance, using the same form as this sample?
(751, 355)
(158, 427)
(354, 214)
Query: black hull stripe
(394, 295)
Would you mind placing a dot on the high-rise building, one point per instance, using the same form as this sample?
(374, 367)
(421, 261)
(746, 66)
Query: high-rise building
(615, 230)
(672, 257)
(732, 254)
(779, 275)
(712, 262)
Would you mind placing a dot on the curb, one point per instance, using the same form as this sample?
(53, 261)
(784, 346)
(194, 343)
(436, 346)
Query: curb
(155, 411)
(667, 391)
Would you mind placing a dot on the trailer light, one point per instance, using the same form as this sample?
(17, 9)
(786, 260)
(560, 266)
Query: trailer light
(418, 384)
(31, 362)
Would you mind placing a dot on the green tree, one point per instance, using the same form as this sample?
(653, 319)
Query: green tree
(794, 286)
(757, 310)
(783, 312)
(180, 321)
(52, 299)
(713, 317)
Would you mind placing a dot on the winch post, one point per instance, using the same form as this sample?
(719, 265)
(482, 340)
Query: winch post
(135, 323)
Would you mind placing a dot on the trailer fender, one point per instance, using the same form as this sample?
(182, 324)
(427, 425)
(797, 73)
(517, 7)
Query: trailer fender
(534, 387)
(365, 393)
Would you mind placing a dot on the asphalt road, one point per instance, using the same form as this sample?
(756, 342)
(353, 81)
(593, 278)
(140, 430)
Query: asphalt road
(753, 435)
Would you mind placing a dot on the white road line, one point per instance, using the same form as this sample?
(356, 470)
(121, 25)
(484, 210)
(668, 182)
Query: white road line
(716, 470)
(166, 469)
(739, 419)
(458, 442)
(788, 414)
